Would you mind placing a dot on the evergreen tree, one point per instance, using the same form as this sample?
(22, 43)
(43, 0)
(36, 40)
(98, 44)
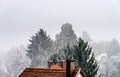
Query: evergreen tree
(40, 49)
(85, 58)
(83, 55)
(57, 57)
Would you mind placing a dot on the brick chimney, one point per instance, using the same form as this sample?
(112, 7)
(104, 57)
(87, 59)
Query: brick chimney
(50, 62)
(70, 68)
(63, 64)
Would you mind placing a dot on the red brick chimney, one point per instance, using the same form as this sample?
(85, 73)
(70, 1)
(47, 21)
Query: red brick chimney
(63, 64)
(70, 68)
(50, 62)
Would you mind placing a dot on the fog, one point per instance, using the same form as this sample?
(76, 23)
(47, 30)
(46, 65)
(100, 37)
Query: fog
(20, 19)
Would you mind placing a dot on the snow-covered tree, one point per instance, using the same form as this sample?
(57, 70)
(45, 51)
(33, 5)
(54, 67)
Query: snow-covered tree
(66, 36)
(106, 66)
(100, 47)
(86, 37)
(110, 47)
(40, 49)
(83, 55)
(85, 58)
(3, 68)
(114, 47)
(58, 57)
(16, 61)
(116, 61)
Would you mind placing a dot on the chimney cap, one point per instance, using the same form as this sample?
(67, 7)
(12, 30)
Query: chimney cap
(70, 60)
(50, 60)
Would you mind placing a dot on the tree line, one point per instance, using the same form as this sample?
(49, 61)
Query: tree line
(97, 59)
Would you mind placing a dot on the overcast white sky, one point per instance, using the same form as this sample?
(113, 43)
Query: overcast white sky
(20, 19)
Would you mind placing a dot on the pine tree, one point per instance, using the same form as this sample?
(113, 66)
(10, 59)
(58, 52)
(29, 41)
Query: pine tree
(40, 49)
(85, 58)
(83, 55)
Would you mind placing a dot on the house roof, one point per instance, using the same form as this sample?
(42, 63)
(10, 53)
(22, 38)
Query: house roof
(54, 70)
(42, 72)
